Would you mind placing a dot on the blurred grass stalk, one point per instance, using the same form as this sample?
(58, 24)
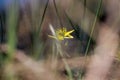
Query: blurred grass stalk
(59, 52)
(93, 26)
(12, 20)
(38, 14)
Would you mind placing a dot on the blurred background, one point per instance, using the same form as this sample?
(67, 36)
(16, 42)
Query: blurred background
(24, 30)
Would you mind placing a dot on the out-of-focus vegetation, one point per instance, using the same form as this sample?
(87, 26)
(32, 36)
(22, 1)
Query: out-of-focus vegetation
(59, 39)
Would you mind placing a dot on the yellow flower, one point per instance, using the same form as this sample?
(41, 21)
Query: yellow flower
(62, 34)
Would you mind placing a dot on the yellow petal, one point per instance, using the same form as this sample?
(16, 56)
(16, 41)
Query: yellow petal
(69, 36)
(68, 33)
(52, 36)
